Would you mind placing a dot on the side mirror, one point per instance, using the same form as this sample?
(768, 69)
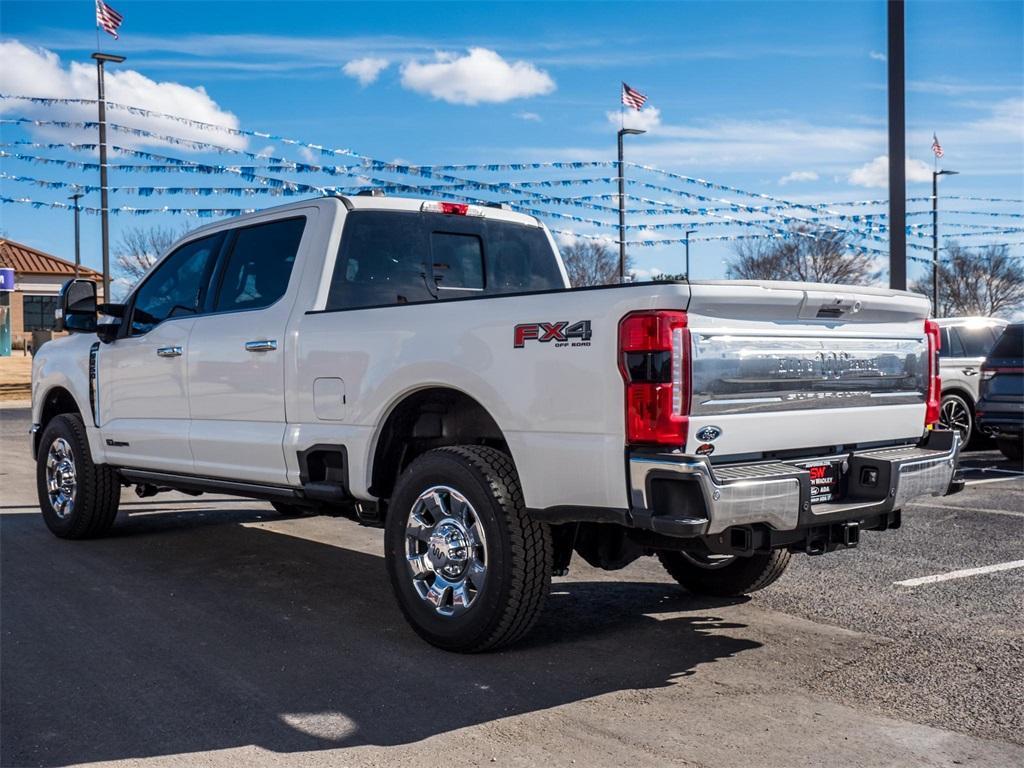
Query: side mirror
(107, 332)
(77, 311)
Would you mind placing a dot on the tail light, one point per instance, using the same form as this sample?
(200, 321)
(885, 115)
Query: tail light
(990, 371)
(931, 413)
(655, 364)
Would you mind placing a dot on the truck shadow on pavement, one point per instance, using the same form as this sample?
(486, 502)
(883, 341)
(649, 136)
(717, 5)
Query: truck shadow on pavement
(183, 634)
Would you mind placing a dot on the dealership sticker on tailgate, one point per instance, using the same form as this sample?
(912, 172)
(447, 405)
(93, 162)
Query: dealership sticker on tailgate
(824, 482)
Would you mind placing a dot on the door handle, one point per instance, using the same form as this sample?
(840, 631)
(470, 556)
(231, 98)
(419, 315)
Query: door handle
(169, 352)
(261, 345)
(970, 371)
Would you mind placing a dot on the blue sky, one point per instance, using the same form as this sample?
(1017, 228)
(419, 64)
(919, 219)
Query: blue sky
(784, 99)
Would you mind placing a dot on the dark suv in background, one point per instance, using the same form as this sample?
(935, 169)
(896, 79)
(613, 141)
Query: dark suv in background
(1000, 411)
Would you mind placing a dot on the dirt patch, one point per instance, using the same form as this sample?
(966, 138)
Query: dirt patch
(15, 377)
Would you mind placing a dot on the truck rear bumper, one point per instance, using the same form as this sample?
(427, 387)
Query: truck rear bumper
(687, 496)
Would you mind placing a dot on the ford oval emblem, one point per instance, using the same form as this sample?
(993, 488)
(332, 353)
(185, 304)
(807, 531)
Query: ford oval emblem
(708, 434)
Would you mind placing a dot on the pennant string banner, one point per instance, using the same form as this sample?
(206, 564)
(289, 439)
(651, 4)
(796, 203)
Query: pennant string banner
(825, 221)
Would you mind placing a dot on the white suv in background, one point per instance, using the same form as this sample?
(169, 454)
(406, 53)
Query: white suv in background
(965, 343)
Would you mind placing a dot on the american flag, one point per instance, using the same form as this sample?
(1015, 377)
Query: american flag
(632, 98)
(936, 147)
(108, 18)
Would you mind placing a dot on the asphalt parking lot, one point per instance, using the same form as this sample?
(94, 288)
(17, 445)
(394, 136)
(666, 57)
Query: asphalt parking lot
(208, 631)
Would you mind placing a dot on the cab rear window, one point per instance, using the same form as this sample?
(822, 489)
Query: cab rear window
(398, 257)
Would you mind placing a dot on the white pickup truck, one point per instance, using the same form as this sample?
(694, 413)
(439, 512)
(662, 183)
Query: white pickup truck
(424, 367)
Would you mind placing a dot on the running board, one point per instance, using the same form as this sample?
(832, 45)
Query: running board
(194, 484)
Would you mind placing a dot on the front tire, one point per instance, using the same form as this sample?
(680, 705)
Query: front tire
(470, 569)
(724, 576)
(78, 499)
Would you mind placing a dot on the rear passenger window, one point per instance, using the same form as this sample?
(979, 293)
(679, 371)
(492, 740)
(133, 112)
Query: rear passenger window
(950, 346)
(458, 261)
(382, 260)
(259, 265)
(976, 341)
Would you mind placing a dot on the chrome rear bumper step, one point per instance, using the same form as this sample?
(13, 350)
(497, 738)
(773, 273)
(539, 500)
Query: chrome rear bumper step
(670, 491)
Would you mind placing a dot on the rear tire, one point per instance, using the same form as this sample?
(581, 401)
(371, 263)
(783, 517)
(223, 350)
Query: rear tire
(469, 567)
(702, 575)
(78, 499)
(1012, 448)
(955, 413)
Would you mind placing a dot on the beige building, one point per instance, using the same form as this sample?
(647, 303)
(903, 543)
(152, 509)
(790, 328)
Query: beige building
(38, 278)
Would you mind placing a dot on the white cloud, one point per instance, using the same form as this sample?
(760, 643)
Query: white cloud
(365, 70)
(876, 173)
(307, 155)
(38, 72)
(645, 120)
(481, 76)
(531, 117)
(798, 176)
(639, 275)
(877, 56)
(566, 238)
(268, 151)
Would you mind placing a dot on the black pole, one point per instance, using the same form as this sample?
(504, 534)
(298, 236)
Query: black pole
(78, 250)
(104, 213)
(897, 151)
(935, 243)
(688, 233)
(622, 215)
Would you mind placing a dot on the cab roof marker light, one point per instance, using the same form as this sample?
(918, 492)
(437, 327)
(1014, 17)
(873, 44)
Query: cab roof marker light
(452, 209)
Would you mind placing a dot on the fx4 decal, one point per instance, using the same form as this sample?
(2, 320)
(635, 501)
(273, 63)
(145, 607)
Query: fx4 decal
(561, 333)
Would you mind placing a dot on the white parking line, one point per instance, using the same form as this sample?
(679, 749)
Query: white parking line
(926, 505)
(962, 574)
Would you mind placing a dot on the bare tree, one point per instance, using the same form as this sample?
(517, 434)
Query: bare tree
(808, 255)
(591, 262)
(137, 250)
(986, 281)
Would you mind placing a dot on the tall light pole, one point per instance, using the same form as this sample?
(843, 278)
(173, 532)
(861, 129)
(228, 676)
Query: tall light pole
(935, 237)
(78, 251)
(897, 148)
(687, 236)
(101, 58)
(622, 202)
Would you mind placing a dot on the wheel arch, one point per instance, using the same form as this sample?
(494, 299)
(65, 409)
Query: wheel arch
(426, 418)
(960, 391)
(57, 400)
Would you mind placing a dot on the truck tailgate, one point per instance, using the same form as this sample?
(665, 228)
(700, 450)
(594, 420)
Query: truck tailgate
(795, 367)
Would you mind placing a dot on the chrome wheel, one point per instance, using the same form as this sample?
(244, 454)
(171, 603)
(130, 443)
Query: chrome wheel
(955, 415)
(61, 477)
(708, 561)
(446, 550)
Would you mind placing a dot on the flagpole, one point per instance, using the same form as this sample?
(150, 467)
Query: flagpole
(101, 58)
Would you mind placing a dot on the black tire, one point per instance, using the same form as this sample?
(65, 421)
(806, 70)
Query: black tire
(97, 491)
(1012, 448)
(285, 509)
(955, 412)
(519, 554)
(740, 576)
